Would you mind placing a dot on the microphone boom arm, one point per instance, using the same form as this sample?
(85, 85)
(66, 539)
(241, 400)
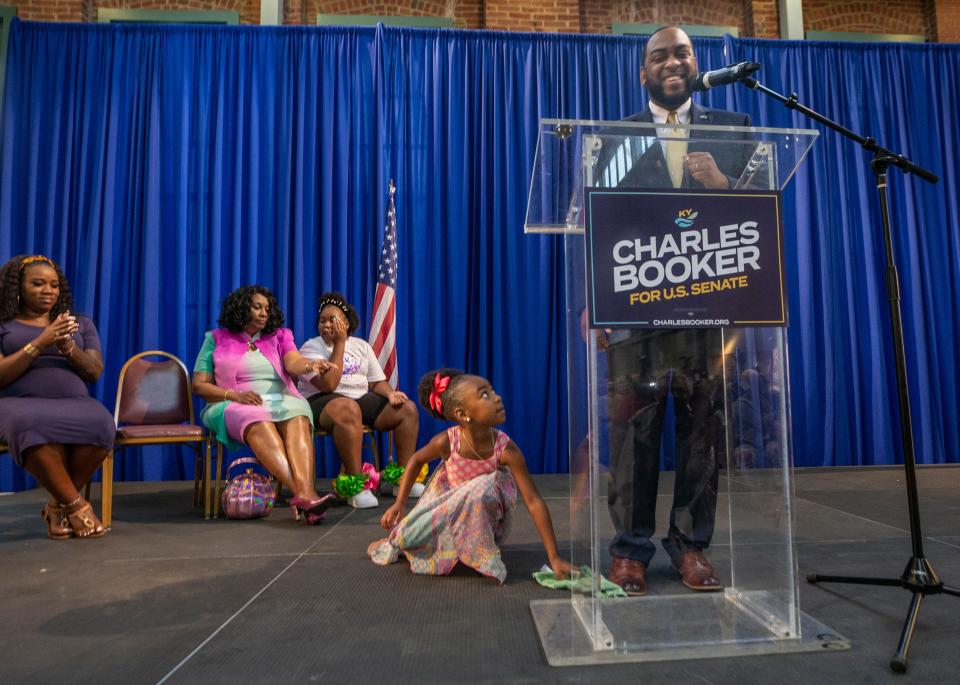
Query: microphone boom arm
(867, 143)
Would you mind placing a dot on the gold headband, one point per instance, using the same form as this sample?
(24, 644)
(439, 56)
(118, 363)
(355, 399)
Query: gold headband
(27, 261)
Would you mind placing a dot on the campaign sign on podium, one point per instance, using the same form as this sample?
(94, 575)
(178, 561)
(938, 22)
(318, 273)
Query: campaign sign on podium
(677, 390)
(669, 259)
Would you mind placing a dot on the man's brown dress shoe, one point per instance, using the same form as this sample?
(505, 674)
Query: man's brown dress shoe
(630, 575)
(696, 571)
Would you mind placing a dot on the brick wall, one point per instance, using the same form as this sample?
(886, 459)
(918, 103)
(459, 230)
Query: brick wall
(249, 9)
(296, 12)
(250, 13)
(532, 15)
(86, 10)
(936, 19)
(947, 21)
(465, 13)
(468, 14)
(597, 16)
(762, 18)
(50, 10)
(873, 16)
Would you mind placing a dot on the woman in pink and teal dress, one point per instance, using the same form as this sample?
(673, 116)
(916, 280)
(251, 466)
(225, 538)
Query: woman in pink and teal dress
(246, 371)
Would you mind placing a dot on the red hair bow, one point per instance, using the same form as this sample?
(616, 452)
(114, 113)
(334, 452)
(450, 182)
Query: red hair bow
(439, 386)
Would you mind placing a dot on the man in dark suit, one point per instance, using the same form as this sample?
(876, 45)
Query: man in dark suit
(648, 370)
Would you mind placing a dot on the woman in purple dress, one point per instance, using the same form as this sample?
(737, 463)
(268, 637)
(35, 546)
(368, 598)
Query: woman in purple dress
(49, 422)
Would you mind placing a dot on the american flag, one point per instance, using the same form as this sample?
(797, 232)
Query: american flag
(383, 330)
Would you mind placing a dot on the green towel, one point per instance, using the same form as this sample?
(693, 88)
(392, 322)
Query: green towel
(581, 582)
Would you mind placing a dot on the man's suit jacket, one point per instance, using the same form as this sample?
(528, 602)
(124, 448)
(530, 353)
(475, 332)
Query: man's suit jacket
(650, 169)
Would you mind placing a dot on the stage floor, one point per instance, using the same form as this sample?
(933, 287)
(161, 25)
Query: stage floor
(169, 597)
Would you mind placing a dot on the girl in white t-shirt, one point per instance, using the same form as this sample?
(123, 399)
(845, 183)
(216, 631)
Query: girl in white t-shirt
(354, 393)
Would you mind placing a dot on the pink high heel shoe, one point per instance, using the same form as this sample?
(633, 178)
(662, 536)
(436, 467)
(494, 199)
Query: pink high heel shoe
(314, 509)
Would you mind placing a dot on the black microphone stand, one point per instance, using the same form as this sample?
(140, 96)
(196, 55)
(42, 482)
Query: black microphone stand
(918, 577)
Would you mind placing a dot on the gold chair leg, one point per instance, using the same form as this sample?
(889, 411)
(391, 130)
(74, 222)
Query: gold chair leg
(106, 491)
(216, 491)
(208, 456)
(373, 449)
(197, 473)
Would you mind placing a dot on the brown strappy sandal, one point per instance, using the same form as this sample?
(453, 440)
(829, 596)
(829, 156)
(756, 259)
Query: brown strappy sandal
(58, 527)
(83, 521)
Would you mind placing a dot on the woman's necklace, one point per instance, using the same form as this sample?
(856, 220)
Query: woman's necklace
(252, 342)
(470, 445)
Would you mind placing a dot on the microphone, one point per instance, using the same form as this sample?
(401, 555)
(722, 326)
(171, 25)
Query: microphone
(722, 77)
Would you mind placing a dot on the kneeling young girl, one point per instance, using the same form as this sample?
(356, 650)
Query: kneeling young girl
(464, 513)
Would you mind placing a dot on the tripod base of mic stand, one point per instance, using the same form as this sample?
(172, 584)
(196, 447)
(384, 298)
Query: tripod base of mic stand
(918, 577)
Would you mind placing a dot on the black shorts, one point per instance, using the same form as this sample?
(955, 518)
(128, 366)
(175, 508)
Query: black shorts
(371, 405)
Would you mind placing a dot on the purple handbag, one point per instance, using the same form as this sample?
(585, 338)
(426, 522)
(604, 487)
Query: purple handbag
(247, 495)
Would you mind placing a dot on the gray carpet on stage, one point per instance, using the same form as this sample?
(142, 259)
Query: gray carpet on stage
(167, 596)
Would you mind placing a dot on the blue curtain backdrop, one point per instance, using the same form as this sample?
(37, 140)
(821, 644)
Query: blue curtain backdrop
(163, 166)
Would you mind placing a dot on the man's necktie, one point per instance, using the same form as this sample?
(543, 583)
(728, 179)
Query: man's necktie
(676, 148)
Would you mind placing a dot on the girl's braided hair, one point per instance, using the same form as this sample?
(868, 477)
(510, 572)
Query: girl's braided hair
(438, 392)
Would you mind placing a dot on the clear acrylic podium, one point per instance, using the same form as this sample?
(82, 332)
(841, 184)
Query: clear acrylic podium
(737, 376)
